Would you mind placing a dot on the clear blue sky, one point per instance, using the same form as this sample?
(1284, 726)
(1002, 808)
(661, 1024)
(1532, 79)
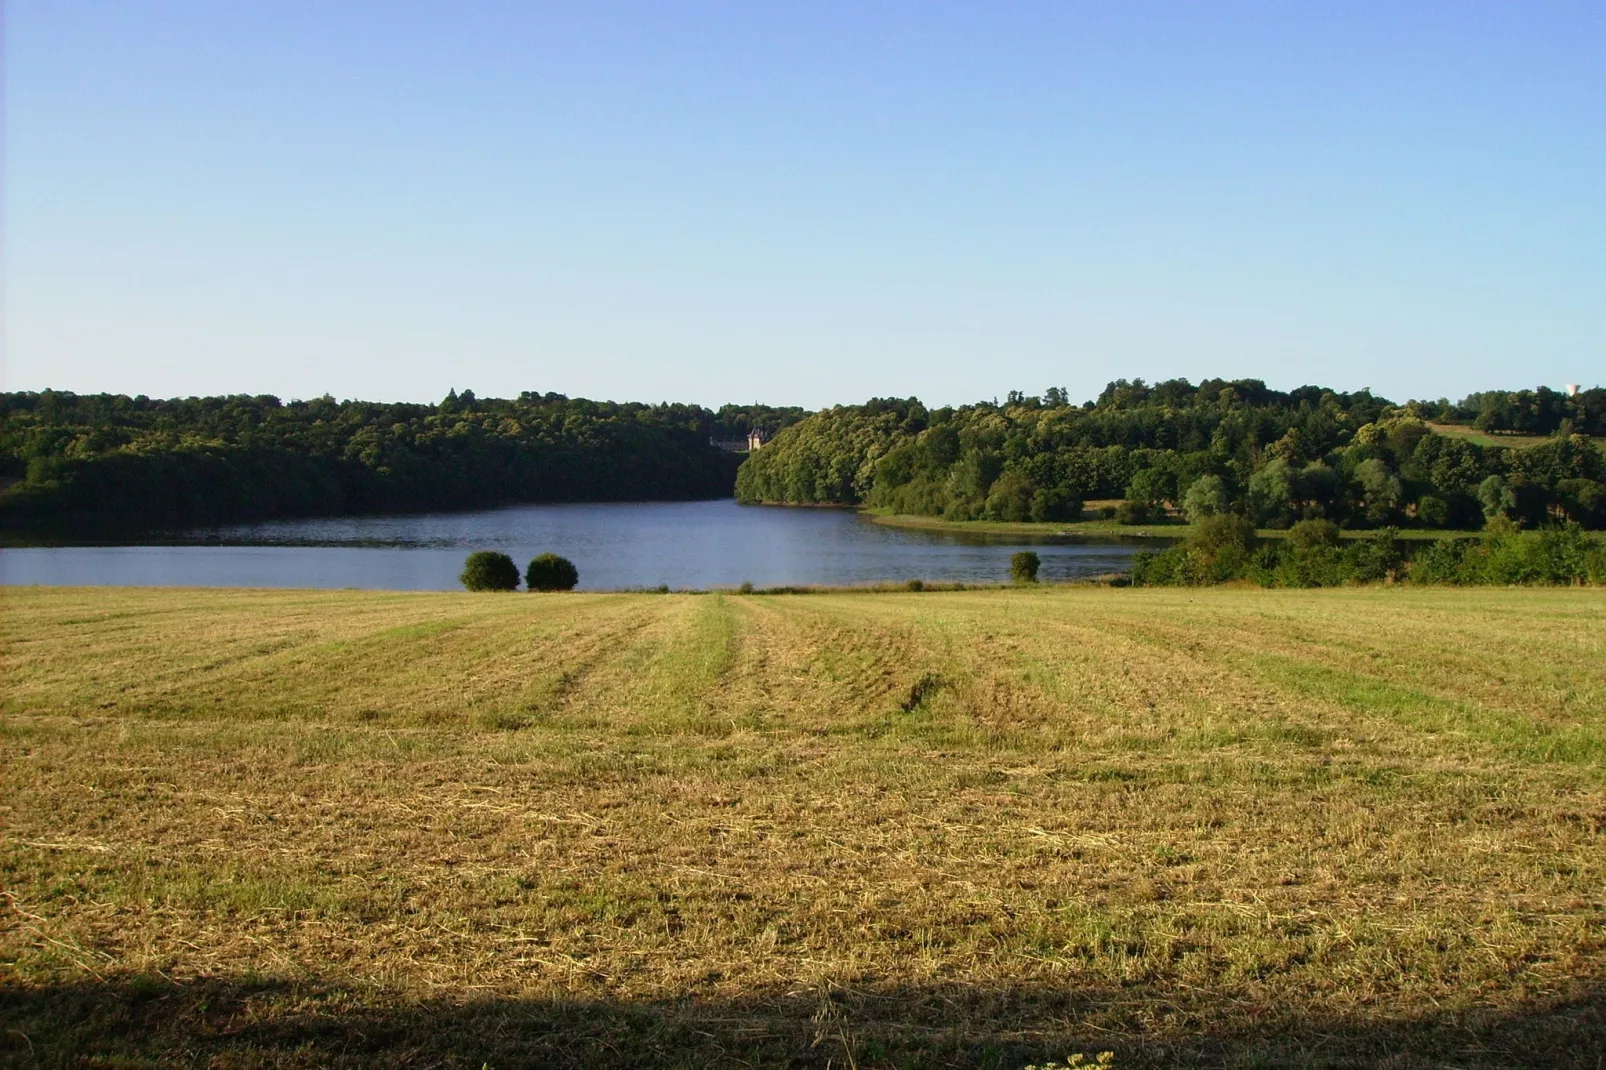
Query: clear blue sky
(807, 203)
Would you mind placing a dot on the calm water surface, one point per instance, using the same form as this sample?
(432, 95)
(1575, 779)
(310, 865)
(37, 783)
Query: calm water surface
(615, 545)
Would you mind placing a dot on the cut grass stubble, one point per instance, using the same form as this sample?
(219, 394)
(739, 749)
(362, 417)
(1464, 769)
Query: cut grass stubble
(954, 827)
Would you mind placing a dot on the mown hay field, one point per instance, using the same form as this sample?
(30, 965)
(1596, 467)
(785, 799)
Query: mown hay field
(982, 828)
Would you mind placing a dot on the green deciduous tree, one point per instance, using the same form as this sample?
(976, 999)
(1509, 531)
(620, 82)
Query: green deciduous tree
(1380, 490)
(1010, 498)
(1023, 566)
(1206, 496)
(1151, 488)
(1496, 497)
(488, 570)
(1271, 495)
(549, 572)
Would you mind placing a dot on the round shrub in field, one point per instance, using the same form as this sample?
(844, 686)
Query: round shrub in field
(487, 570)
(549, 572)
(1023, 566)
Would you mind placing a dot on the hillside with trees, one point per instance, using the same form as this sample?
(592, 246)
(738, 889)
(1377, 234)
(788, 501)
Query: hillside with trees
(111, 462)
(1175, 450)
(1540, 411)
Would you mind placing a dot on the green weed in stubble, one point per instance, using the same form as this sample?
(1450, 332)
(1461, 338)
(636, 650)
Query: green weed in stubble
(1510, 732)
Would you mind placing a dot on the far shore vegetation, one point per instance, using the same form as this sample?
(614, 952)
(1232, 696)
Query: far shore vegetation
(1143, 457)
(1093, 526)
(74, 463)
(1139, 458)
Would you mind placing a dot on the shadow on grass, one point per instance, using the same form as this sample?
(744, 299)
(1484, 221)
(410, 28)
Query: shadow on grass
(141, 1021)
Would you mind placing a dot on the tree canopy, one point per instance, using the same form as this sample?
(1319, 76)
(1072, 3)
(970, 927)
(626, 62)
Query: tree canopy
(1238, 447)
(1165, 449)
(112, 461)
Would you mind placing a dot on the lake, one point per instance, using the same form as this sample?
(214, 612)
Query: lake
(691, 545)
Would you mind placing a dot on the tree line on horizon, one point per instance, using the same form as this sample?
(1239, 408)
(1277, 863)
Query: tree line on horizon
(107, 462)
(113, 462)
(1176, 450)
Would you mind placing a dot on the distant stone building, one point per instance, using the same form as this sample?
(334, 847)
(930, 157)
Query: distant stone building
(751, 444)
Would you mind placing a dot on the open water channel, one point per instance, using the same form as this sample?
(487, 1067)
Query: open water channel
(686, 545)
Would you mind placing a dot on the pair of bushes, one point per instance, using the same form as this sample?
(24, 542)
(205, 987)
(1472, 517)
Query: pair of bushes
(488, 570)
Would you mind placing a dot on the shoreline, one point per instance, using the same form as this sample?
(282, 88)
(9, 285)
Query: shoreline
(1111, 531)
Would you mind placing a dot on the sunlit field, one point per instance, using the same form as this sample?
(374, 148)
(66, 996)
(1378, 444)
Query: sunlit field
(980, 828)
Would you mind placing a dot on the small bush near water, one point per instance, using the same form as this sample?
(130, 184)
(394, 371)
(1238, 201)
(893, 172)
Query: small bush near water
(488, 570)
(1023, 566)
(549, 572)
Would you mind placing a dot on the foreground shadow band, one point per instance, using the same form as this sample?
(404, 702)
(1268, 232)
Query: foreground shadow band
(134, 1021)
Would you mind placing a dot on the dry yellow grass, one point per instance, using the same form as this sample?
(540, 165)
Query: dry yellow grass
(966, 828)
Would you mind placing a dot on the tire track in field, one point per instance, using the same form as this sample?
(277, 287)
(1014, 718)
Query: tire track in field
(1300, 686)
(659, 675)
(1077, 675)
(982, 668)
(558, 694)
(691, 684)
(208, 641)
(438, 671)
(1461, 654)
(825, 671)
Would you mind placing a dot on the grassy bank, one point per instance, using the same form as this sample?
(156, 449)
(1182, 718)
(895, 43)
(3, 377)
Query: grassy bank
(963, 828)
(1487, 438)
(1109, 529)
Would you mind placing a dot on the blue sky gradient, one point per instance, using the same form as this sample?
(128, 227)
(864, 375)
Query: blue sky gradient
(801, 204)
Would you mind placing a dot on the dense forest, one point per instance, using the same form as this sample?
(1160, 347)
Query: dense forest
(1151, 452)
(1173, 450)
(114, 462)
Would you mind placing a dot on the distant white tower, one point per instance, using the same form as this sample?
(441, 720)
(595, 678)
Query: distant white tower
(1572, 390)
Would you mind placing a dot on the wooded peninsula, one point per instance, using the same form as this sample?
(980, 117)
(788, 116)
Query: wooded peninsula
(1356, 459)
